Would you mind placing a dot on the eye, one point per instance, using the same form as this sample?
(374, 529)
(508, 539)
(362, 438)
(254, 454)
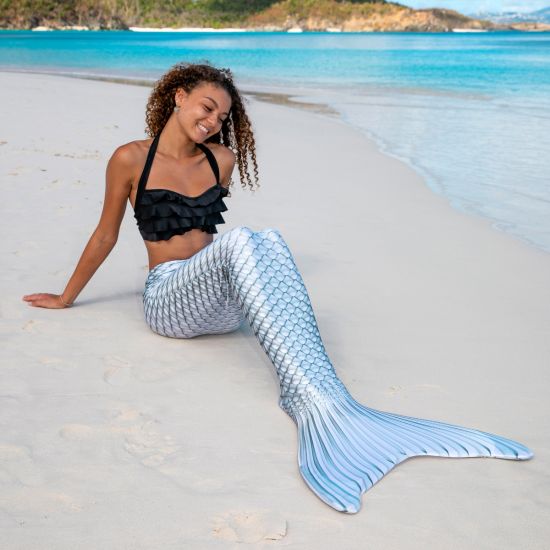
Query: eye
(208, 109)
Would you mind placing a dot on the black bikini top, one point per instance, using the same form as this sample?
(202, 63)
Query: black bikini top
(162, 213)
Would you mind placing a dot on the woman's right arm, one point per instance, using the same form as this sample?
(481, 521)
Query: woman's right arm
(117, 189)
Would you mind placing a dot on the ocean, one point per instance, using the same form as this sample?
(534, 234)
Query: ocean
(469, 111)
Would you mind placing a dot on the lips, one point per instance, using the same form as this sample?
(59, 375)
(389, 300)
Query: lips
(203, 129)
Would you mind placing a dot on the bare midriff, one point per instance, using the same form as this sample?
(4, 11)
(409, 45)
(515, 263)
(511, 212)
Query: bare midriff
(179, 247)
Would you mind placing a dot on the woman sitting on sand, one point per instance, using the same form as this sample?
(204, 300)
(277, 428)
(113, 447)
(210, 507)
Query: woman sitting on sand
(176, 183)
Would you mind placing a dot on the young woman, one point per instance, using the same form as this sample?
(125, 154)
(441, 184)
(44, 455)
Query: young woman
(176, 183)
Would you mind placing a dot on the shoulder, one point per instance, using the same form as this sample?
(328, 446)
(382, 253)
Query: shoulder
(225, 158)
(132, 153)
(221, 152)
(128, 159)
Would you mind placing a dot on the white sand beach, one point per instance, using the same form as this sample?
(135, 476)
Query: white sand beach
(113, 437)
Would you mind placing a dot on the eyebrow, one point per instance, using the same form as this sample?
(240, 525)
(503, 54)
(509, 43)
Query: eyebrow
(215, 103)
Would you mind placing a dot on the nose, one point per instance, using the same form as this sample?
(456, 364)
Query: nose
(213, 119)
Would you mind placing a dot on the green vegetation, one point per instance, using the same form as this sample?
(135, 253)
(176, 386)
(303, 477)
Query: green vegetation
(268, 14)
(124, 13)
(331, 9)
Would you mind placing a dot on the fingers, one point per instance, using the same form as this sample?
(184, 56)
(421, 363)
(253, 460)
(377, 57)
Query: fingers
(41, 299)
(32, 297)
(37, 303)
(34, 300)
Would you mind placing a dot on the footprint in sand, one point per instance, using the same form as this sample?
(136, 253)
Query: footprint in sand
(118, 370)
(78, 432)
(30, 325)
(125, 414)
(56, 363)
(147, 445)
(250, 526)
(12, 452)
(139, 439)
(39, 503)
(20, 171)
(18, 464)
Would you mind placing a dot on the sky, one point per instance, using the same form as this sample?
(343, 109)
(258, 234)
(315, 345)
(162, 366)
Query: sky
(473, 6)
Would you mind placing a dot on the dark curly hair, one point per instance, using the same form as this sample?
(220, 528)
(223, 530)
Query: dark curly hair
(236, 131)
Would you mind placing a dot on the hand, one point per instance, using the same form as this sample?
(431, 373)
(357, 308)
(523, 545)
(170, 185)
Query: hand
(50, 301)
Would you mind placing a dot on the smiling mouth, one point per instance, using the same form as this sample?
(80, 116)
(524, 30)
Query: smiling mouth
(203, 129)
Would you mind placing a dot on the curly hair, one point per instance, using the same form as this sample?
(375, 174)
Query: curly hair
(236, 131)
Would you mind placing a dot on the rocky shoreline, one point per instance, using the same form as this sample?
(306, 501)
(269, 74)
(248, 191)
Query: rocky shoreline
(521, 27)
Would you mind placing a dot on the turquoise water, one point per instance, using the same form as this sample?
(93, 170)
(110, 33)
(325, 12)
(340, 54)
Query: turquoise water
(470, 112)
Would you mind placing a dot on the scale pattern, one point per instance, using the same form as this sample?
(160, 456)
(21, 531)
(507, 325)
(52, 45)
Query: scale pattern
(344, 447)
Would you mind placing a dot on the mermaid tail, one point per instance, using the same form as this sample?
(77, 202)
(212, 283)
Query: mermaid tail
(343, 446)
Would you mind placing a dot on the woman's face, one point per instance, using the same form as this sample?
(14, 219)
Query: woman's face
(202, 110)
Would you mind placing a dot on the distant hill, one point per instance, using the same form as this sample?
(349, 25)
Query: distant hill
(314, 15)
(359, 16)
(538, 16)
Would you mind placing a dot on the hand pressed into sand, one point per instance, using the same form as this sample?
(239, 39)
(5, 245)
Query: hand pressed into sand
(42, 299)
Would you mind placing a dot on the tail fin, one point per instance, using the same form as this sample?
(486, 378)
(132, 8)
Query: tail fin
(345, 448)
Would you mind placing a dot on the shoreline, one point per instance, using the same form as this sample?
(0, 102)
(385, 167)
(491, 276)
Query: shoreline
(278, 98)
(535, 28)
(424, 311)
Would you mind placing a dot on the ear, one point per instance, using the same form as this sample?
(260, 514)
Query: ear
(180, 96)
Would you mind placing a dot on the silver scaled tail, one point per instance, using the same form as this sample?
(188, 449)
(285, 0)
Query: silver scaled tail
(344, 447)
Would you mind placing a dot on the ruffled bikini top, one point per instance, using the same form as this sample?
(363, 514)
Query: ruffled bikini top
(162, 213)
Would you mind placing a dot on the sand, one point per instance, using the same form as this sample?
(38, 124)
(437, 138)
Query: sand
(113, 437)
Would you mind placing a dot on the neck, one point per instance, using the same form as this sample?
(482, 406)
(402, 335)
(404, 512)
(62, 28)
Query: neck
(175, 143)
